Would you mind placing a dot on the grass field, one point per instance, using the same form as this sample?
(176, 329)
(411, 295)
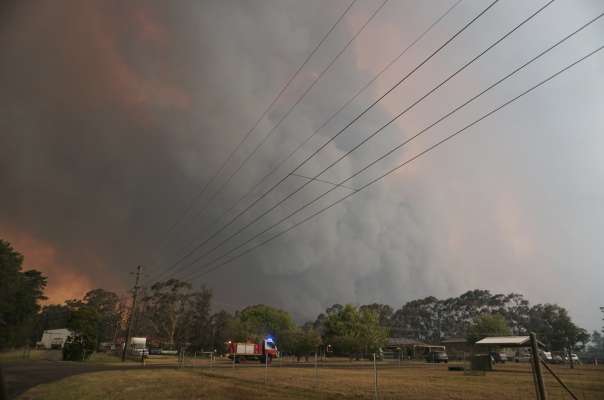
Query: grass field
(354, 381)
(30, 355)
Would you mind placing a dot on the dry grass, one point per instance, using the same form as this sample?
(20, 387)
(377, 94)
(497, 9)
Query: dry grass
(419, 382)
(22, 355)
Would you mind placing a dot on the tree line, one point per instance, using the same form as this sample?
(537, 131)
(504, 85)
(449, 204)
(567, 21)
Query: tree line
(173, 314)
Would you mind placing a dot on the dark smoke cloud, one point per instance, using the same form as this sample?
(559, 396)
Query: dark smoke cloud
(113, 115)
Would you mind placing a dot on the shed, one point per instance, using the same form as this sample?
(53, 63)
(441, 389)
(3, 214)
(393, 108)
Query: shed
(410, 348)
(507, 341)
(54, 338)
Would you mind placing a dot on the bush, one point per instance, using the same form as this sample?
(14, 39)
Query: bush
(77, 348)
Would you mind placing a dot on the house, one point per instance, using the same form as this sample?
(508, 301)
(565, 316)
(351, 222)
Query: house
(409, 348)
(54, 338)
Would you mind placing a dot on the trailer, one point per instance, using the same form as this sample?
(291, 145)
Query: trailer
(264, 351)
(54, 338)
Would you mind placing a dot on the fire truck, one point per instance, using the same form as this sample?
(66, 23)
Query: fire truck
(264, 351)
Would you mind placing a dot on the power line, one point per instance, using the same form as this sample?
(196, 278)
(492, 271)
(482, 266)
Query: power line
(273, 129)
(374, 133)
(323, 146)
(316, 131)
(202, 273)
(253, 128)
(428, 127)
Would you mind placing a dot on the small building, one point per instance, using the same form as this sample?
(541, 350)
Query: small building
(457, 348)
(409, 349)
(506, 341)
(54, 338)
(485, 348)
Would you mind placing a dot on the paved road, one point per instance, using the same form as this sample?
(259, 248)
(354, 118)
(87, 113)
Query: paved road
(20, 376)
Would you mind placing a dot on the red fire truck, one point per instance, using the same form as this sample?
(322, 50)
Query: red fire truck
(239, 351)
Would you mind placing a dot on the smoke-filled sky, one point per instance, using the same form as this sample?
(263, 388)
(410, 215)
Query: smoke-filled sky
(114, 115)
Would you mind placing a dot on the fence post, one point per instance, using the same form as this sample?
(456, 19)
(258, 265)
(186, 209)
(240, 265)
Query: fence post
(266, 369)
(375, 379)
(316, 371)
(537, 367)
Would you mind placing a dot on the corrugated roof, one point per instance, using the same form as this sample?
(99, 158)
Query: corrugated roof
(505, 340)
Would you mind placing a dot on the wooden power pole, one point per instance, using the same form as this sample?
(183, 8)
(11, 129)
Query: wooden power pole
(134, 296)
(537, 367)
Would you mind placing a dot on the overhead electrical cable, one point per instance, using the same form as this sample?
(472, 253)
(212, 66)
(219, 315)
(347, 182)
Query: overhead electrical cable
(330, 140)
(422, 131)
(316, 131)
(288, 112)
(197, 196)
(224, 241)
(197, 274)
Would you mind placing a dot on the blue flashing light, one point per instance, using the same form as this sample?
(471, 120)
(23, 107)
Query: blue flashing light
(269, 339)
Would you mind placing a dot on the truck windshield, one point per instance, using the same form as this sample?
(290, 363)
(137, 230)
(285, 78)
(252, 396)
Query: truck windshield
(270, 345)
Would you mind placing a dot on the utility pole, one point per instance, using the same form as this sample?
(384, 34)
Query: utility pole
(134, 296)
(535, 360)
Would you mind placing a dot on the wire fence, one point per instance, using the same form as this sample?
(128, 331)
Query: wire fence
(381, 377)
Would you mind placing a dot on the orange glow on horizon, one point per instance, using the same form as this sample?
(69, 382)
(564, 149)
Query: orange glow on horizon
(65, 281)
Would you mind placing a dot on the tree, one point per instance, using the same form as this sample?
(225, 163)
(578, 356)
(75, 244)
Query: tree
(165, 310)
(20, 293)
(256, 322)
(383, 311)
(300, 342)
(83, 322)
(595, 350)
(106, 306)
(198, 316)
(370, 333)
(219, 332)
(488, 325)
(555, 329)
(354, 332)
(418, 319)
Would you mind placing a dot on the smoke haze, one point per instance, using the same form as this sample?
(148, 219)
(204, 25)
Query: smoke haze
(113, 115)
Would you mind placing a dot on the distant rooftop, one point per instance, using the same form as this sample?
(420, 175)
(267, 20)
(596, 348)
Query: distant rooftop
(400, 341)
(511, 341)
(455, 340)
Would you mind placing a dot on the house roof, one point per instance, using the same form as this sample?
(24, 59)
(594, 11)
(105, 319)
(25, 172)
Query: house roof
(404, 341)
(510, 341)
(454, 340)
(58, 331)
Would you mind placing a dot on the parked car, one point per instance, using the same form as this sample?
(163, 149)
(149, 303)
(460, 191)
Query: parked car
(523, 357)
(546, 356)
(557, 359)
(499, 357)
(437, 357)
(155, 351)
(574, 357)
(140, 351)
